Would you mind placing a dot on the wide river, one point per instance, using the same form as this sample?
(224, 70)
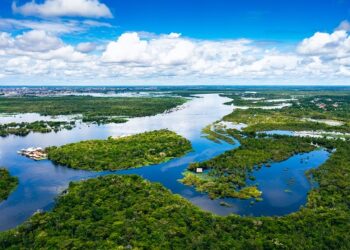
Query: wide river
(284, 184)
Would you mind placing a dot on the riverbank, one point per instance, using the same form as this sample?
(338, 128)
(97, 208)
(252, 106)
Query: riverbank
(7, 184)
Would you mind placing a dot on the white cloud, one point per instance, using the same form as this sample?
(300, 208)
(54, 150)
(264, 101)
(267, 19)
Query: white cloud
(336, 43)
(38, 44)
(171, 58)
(38, 41)
(5, 40)
(127, 49)
(327, 54)
(60, 8)
(85, 47)
(56, 26)
(66, 53)
(344, 25)
(171, 54)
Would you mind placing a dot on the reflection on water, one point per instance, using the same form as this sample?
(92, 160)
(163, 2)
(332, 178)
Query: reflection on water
(41, 182)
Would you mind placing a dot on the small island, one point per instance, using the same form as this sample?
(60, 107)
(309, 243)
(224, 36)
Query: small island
(7, 183)
(24, 128)
(121, 153)
(226, 174)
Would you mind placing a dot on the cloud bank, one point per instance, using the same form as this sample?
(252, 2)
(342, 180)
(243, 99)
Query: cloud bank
(42, 56)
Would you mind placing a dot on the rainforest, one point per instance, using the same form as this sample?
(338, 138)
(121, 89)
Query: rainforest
(226, 168)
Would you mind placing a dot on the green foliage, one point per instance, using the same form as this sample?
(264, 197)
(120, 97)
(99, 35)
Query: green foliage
(332, 178)
(217, 135)
(122, 153)
(92, 108)
(229, 171)
(103, 119)
(123, 212)
(7, 184)
(24, 128)
(320, 107)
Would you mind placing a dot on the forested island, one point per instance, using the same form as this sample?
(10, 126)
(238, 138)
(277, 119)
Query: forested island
(228, 172)
(24, 128)
(121, 153)
(7, 183)
(97, 109)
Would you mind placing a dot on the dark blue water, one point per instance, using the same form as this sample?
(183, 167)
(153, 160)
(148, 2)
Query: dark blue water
(41, 182)
(283, 184)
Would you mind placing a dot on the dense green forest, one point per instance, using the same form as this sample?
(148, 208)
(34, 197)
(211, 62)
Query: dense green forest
(24, 128)
(123, 212)
(92, 108)
(7, 183)
(229, 171)
(126, 152)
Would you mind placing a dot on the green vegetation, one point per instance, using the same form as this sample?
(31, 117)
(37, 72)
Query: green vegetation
(332, 178)
(127, 212)
(122, 153)
(24, 128)
(258, 100)
(217, 134)
(7, 184)
(228, 172)
(297, 116)
(123, 212)
(92, 108)
(104, 119)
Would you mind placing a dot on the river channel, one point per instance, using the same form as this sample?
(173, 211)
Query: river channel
(284, 184)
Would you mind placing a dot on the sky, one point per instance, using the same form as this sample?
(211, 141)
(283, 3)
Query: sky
(168, 42)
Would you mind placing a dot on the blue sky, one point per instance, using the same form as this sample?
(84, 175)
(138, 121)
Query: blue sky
(281, 20)
(215, 19)
(175, 42)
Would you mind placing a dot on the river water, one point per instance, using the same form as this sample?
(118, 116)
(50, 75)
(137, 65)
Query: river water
(284, 184)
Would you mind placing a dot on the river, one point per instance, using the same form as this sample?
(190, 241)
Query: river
(284, 184)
